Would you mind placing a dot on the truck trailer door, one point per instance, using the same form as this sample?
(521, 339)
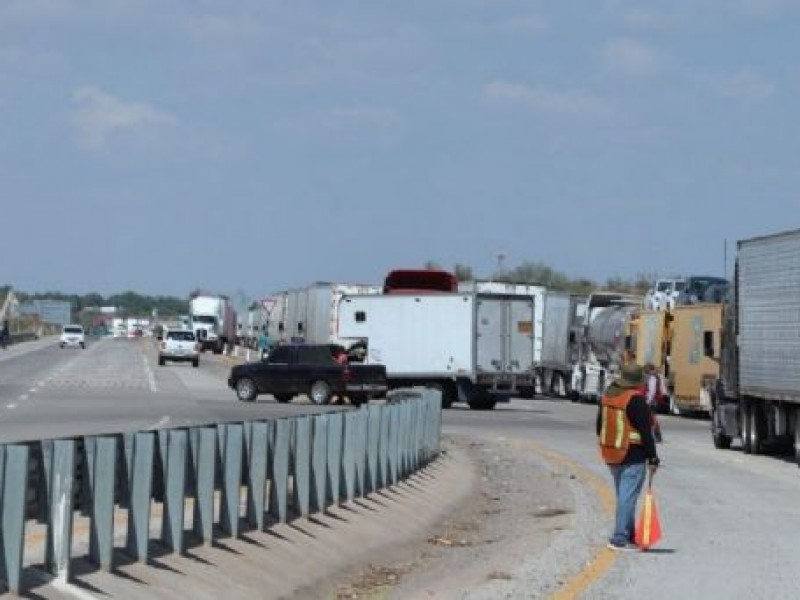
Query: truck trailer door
(520, 335)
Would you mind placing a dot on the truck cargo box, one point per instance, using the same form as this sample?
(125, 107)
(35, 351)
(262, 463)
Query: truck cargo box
(691, 371)
(768, 305)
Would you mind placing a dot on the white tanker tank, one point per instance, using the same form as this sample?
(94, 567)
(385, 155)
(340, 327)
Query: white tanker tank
(604, 340)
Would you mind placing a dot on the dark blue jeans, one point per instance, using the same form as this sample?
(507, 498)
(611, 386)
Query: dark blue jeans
(628, 482)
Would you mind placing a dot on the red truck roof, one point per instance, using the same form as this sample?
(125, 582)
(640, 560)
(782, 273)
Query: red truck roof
(412, 281)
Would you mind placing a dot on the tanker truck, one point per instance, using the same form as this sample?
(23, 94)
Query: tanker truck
(604, 341)
(757, 395)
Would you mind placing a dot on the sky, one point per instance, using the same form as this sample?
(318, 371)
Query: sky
(249, 146)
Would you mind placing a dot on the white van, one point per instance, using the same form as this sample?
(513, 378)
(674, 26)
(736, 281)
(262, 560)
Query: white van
(72, 336)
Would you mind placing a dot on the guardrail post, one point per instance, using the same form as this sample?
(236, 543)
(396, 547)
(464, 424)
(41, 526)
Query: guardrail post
(13, 492)
(232, 479)
(319, 464)
(174, 489)
(302, 465)
(362, 423)
(383, 447)
(204, 462)
(419, 424)
(335, 427)
(60, 476)
(348, 491)
(101, 461)
(256, 436)
(140, 486)
(279, 488)
(373, 438)
(394, 443)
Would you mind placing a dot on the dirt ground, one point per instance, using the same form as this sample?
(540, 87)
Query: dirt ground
(519, 505)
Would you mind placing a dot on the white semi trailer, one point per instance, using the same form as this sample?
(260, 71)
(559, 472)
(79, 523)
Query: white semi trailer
(477, 348)
(757, 396)
(311, 314)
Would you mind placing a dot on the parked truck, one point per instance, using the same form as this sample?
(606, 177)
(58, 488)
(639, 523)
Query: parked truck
(477, 348)
(605, 341)
(672, 341)
(213, 320)
(757, 396)
(310, 315)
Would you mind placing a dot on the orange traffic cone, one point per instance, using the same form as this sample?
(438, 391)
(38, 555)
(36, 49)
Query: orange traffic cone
(648, 529)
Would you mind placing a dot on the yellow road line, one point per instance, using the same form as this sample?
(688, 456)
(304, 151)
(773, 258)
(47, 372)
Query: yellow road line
(604, 559)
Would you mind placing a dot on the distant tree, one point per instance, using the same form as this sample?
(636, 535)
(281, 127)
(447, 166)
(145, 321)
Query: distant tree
(463, 272)
(432, 265)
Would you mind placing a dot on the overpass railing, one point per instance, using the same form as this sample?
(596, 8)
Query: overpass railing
(286, 467)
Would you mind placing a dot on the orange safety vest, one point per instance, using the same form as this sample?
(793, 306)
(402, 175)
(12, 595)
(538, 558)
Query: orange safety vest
(616, 432)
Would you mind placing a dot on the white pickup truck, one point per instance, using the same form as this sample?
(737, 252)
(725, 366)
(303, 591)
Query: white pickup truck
(179, 345)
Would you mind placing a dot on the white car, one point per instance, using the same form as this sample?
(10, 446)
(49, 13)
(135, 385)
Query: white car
(179, 345)
(72, 336)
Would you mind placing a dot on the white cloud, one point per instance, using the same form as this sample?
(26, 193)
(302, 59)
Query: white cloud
(548, 100)
(98, 115)
(745, 85)
(627, 56)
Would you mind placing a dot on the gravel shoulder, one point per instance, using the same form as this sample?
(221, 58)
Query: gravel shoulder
(530, 525)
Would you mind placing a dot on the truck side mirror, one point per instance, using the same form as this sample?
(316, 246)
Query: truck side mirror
(708, 344)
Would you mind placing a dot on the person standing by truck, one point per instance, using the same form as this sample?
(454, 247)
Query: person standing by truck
(625, 436)
(655, 397)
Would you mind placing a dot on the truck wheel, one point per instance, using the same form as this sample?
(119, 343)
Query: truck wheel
(358, 400)
(196, 363)
(283, 398)
(246, 390)
(754, 429)
(482, 402)
(320, 392)
(161, 361)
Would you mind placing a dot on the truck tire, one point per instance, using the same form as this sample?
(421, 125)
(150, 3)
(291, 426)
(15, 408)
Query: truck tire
(482, 402)
(319, 392)
(196, 363)
(246, 389)
(358, 400)
(161, 361)
(754, 428)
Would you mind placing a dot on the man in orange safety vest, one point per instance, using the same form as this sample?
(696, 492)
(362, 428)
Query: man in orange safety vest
(624, 429)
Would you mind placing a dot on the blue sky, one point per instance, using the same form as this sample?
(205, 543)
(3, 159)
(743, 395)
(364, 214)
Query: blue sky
(254, 145)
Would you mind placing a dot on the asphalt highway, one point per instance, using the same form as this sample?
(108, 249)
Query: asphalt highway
(116, 385)
(728, 518)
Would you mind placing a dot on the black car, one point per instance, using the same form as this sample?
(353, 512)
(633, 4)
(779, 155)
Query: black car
(292, 370)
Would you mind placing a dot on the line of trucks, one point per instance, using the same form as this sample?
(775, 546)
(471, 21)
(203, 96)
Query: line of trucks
(479, 342)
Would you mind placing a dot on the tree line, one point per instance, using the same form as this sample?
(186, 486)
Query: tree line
(128, 304)
(538, 273)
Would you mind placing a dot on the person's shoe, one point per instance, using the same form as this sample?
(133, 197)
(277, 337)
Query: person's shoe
(628, 547)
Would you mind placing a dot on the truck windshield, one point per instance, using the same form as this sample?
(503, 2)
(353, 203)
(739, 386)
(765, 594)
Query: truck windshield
(204, 319)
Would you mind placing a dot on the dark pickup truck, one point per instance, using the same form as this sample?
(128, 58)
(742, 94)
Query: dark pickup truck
(307, 369)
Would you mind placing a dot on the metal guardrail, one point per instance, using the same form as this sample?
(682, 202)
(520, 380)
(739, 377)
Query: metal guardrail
(310, 462)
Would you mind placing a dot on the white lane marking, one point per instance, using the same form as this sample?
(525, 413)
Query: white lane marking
(32, 390)
(11, 406)
(151, 379)
(24, 397)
